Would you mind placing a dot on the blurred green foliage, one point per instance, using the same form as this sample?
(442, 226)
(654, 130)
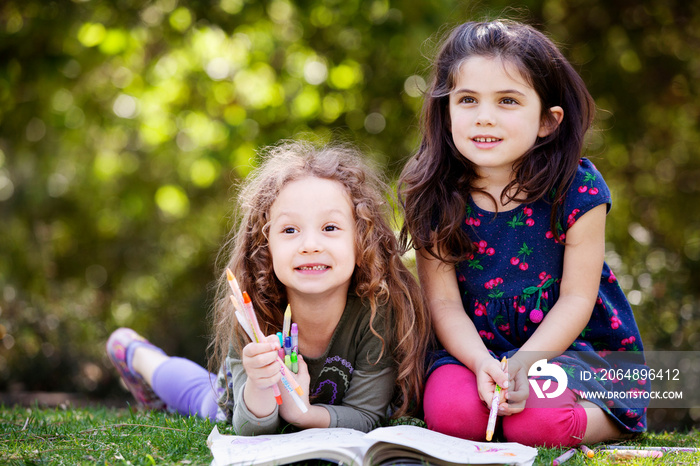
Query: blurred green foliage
(124, 124)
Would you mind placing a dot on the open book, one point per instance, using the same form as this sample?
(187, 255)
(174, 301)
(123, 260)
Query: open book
(387, 445)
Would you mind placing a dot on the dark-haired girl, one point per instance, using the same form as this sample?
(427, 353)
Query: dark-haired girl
(508, 222)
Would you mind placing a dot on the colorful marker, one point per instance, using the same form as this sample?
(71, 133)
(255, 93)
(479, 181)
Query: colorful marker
(250, 314)
(255, 334)
(563, 458)
(495, 401)
(587, 451)
(276, 393)
(248, 330)
(297, 400)
(280, 338)
(287, 321)
(245, 314)
(493, 414)
(280, 351)
(243, 322)
(237, 298)
(662, 449)
(295, 337)
(629, 454)
(295, 362)
(293, 382)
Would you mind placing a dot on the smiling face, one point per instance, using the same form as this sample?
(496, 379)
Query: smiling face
(495, 115)
(312, 238)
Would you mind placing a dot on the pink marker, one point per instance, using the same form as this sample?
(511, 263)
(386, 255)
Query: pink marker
(565, 457)
(295, 338)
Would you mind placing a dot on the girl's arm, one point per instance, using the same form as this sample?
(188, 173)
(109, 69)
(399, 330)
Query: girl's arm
(583, 263)
(243, 421)
(315, 416)
(366, 382)
(452, 325)
(250, 377)
(365, 403)
(263, 371)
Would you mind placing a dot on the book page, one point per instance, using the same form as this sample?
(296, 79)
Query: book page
(451, 449)
(341, 445)
(352, 447)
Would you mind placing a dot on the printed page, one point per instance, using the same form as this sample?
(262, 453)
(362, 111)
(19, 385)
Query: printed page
(450, 449)
(340, 445)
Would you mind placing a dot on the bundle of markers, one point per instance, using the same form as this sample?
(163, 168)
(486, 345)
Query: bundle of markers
(245, 314)
(289, 342)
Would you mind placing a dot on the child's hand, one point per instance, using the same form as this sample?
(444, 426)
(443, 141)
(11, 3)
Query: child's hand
(303, 377)
(260, 363)
(488, 374)
(519, 388)
(289, 410)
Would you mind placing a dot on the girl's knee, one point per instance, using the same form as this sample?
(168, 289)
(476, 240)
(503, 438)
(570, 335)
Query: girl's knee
(548, 427)
(458, 418)
(451, 403)
(600, 427)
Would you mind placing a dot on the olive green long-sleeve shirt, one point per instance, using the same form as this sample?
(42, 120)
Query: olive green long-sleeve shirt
(345, 380)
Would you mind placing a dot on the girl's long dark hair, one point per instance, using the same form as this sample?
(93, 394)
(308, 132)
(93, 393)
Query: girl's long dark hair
(437, 181)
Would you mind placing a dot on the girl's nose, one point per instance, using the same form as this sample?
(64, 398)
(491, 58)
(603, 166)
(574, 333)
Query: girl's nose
(484, 117)
(310, 243)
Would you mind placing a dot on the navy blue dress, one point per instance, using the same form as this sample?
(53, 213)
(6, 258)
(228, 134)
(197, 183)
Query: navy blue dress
(512, 281)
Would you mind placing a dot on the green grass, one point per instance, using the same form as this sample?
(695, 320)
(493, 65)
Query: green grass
(98, 435)
(30, 436)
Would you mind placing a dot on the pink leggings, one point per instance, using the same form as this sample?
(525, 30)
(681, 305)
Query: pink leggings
(452, 406)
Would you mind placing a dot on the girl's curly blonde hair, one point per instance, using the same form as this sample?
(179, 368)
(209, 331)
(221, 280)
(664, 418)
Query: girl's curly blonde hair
(380, 277)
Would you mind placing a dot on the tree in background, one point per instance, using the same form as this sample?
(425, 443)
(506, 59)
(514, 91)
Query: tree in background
(124, 124)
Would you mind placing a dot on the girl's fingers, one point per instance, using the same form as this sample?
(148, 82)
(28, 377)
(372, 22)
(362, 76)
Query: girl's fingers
(274, 339)
(260, 362)
(268, 380)
(488, 375)
(254, 349)
(262, 376)
(263, 364)
(497, 374)
(303, 368)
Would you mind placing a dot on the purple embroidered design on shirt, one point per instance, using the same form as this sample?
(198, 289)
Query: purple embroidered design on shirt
(336, 373)
(333, 385)
(341, 361)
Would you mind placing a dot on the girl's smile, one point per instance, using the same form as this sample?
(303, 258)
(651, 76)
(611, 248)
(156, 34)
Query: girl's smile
(312, 269)
(486, 142)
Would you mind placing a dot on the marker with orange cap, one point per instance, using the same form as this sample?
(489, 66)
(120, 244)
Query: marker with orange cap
(587, 451)
(255, 333)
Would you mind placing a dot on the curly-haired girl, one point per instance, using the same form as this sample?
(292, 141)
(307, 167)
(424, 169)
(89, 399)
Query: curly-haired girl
(313, 235)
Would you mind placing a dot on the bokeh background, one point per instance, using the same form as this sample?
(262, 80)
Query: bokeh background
(124, 125)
